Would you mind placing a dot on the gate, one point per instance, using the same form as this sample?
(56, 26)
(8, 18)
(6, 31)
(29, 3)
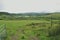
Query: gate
(3, 33)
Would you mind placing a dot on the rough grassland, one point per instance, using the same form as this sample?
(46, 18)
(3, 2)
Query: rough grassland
(25, 29)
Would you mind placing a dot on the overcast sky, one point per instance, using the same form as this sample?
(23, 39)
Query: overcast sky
(30, 5)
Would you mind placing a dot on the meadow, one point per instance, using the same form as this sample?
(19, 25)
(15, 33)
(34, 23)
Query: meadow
(33, 27)
(27, 29)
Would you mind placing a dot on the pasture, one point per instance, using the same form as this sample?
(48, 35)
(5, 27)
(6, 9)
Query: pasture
(15, 29)
(29, 29)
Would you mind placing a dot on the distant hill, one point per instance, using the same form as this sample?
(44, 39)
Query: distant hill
(28, 14)
(4, 13)
(24, 14)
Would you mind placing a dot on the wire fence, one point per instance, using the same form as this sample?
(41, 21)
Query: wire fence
(3, 32)
(54, 29)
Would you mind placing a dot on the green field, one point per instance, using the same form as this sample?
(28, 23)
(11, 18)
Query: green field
(31, 26)
(28, 29)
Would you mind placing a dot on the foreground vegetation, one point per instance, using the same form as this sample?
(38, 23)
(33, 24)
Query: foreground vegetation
(45, 27)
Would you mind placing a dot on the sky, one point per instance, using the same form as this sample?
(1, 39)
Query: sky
(14, 6)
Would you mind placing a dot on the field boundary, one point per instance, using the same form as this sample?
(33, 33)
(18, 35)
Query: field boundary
(3, 32)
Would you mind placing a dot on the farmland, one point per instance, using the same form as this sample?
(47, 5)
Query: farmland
(45, 28)
(15, 29)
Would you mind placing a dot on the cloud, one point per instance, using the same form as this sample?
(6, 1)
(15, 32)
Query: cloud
(31, 5)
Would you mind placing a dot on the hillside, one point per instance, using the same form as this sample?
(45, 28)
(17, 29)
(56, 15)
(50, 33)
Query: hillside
(32, 15)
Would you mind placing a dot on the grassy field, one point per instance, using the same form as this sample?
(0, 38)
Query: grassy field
(28, 29)
(22, 29)
(31, 26)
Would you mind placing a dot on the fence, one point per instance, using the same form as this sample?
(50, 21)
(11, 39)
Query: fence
(53, 30)
(3, 33)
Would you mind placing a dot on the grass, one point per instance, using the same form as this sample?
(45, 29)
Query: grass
(23, 30)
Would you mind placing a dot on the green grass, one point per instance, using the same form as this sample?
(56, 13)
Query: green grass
(23, 30)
